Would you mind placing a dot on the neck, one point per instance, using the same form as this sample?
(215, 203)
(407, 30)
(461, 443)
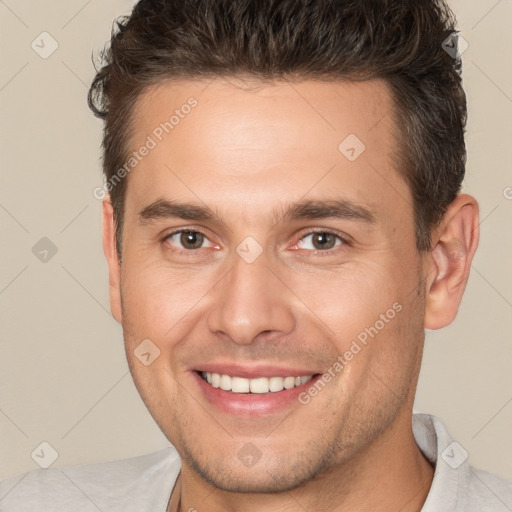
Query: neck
(391, 474)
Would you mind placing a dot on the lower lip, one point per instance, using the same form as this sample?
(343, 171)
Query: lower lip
(252, 404)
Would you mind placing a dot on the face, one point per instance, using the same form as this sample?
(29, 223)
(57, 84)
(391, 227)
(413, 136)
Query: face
(272, 264)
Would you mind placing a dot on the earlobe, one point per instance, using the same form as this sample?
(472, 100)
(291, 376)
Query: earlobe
(455, 243)
(114, 267)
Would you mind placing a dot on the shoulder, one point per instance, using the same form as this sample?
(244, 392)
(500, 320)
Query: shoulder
(487, 492)
(457, 486)
(138, 484)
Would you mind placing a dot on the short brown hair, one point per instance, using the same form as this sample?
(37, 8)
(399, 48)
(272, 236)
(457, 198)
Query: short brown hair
(400, 42)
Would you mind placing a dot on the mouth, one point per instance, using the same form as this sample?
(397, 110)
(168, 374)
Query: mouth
(258, 385)
(252, 391)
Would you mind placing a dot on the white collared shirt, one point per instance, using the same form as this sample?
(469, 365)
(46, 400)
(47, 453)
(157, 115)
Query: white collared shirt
(144, 484)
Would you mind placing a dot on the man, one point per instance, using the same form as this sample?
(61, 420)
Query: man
(282, 221)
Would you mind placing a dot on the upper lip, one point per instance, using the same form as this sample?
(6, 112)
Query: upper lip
(254, 371)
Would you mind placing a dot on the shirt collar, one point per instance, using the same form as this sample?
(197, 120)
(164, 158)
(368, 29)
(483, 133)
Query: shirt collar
(449, 458)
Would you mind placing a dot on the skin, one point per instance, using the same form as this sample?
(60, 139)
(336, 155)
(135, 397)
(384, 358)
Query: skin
(247, 151)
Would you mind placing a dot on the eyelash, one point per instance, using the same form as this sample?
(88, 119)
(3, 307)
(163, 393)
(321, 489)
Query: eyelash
(344, 242)
(318, 252)
(179, 251)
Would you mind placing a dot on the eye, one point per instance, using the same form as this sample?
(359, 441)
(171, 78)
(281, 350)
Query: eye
(320, 241)
(188, 240)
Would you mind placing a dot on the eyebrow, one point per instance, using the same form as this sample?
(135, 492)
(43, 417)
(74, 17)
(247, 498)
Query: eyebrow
(324, 209)
(164, 209)
(302, 210)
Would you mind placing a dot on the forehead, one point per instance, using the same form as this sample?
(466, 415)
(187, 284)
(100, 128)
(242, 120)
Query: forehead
(236, 111)
(240, 143)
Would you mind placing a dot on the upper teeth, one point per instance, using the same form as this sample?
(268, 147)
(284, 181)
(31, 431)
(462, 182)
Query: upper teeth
(258, 385)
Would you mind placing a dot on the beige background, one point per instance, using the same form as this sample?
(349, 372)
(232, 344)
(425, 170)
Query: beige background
(63, 375)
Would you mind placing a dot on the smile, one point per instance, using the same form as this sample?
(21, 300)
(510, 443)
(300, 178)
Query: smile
(259, 385)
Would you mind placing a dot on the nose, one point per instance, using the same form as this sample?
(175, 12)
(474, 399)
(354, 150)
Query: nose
(249, 302)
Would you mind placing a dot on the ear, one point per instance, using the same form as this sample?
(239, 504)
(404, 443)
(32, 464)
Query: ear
(454, 245)
(114, 266)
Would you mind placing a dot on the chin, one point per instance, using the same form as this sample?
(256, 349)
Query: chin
(257, 481)
(264, 477)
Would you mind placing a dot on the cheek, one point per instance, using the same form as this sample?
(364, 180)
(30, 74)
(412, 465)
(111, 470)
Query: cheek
(158, 301)
(350, 299)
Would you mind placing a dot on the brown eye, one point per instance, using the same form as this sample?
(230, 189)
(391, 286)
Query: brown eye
(320, 241)
(324, 241)
(188, 240)
(191, 239)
